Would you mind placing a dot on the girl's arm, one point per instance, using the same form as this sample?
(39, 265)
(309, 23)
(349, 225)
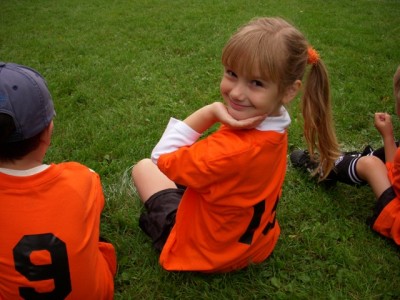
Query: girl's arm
(383, 124)
(180, 134)
(176, 135)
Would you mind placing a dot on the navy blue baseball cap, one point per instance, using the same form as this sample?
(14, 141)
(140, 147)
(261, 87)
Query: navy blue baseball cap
(25, 97)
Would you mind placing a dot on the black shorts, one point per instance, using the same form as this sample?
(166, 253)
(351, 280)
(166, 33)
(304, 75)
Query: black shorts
(159, 217)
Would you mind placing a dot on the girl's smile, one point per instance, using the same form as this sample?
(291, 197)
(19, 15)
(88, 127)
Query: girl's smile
(238, 106)
(247, 97)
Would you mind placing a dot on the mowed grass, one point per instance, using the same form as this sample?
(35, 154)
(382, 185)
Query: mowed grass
(118, 70)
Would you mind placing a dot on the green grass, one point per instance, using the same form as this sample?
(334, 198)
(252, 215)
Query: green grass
(118, 70)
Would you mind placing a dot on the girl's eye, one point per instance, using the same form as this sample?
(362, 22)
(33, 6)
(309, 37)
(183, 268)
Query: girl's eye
(230, 73)
(257, 83)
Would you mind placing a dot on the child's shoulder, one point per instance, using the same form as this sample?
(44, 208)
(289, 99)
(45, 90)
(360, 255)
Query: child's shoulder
(76, 167)
(77, 174)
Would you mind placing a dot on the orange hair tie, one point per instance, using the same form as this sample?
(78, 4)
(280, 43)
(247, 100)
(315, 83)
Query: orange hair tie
(313, 56)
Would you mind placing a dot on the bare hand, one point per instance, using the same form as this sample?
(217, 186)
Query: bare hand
(383, 123)
(223, 116)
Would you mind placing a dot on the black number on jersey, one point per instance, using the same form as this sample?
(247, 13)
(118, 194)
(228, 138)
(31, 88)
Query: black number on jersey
(58, 270)
(258, 210)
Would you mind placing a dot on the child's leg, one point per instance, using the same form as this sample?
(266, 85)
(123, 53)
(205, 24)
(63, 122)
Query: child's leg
(372, 170)
(161, 198)
(148, 179)
(386, 217)
(358, 170)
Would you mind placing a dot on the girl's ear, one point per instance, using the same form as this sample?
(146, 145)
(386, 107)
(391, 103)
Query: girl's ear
(292, 91)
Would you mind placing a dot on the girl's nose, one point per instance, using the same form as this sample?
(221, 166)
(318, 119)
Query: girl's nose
(238, 92)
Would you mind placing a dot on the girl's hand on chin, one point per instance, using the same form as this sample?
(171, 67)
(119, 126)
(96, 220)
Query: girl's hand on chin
(222, 115)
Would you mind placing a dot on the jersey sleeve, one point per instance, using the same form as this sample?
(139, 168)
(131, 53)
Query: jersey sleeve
(204, 163)
(177, 134)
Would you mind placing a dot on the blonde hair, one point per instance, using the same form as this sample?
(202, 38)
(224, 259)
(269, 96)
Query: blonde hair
(277, 51)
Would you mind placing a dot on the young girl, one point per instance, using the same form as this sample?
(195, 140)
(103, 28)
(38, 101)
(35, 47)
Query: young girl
(211, 204)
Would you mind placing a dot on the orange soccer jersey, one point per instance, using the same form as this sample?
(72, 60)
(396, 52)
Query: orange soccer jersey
(227, 217)
(387, 222)
(50, 245)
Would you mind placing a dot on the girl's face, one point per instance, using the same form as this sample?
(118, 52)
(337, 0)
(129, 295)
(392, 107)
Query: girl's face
(247, 97)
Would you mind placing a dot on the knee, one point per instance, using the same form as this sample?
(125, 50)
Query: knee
(140, 166)
(369, 163)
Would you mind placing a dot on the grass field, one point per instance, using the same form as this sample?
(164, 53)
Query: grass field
(119, 69)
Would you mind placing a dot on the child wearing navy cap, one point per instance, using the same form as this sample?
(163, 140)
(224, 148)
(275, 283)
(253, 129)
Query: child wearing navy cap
(49, 214)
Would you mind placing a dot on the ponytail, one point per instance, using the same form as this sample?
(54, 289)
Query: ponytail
(319, 130)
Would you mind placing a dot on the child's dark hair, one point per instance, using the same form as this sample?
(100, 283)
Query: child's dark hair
(14, 150)
(276, 50)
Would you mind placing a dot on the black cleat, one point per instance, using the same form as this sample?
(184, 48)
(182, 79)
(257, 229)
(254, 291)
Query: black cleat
(301, 159)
